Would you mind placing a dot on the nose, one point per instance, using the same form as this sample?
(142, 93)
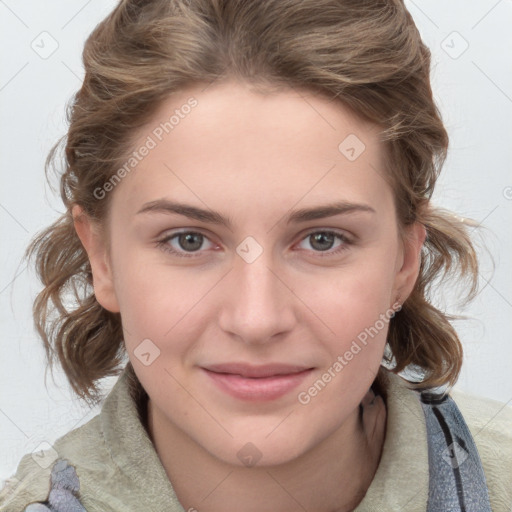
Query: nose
(257, 305)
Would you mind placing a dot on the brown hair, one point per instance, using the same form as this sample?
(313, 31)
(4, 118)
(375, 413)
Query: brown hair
(368, 55)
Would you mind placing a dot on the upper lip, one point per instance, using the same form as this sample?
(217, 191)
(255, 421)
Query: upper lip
(253, 371)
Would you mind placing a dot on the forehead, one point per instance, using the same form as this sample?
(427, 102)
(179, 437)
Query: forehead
(235, 146)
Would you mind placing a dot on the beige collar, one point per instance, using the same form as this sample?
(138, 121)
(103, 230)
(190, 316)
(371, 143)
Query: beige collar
(401, 480)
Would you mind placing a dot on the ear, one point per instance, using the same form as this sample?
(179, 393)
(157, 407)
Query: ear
(95, 245)
(409, 266)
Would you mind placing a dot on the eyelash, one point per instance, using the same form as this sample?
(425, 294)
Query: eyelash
(163, 244)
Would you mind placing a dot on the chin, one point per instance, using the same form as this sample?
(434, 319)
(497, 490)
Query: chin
(266, 446)
(257, 454)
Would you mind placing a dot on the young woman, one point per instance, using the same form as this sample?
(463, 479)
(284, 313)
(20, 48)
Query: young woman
(248, 220)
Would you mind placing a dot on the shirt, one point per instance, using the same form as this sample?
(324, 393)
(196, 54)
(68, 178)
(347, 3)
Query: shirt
(110, 463)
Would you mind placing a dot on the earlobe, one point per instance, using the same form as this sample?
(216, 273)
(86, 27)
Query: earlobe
(94, 244)
(408, 274)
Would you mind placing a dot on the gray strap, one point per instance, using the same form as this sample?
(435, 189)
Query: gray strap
(456, 477)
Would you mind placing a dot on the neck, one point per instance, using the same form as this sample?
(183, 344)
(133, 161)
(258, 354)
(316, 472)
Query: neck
(332, 477)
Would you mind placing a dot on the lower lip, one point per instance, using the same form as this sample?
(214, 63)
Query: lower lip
(257, 389)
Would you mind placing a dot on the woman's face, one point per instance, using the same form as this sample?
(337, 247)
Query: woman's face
(255, 261)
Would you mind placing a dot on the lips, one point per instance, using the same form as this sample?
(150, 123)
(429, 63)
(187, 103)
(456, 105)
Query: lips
(256, 372)
(256, 383)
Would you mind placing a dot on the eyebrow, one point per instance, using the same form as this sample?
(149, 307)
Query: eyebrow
(213, 217)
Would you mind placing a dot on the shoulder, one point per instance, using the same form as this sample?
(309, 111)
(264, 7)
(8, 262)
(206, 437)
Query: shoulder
(490, 424)
(98, 463)
(54, 472)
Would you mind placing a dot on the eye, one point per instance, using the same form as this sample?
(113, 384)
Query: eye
(183, 244)
(188, 244)
(323, 242)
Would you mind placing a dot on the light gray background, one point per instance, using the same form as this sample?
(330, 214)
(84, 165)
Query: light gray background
(473, 88)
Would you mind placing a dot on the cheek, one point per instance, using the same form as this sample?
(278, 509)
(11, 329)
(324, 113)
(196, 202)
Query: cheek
(353, 297)
(357, 311)
(355, 308)
(158, 302)
(143, 295)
